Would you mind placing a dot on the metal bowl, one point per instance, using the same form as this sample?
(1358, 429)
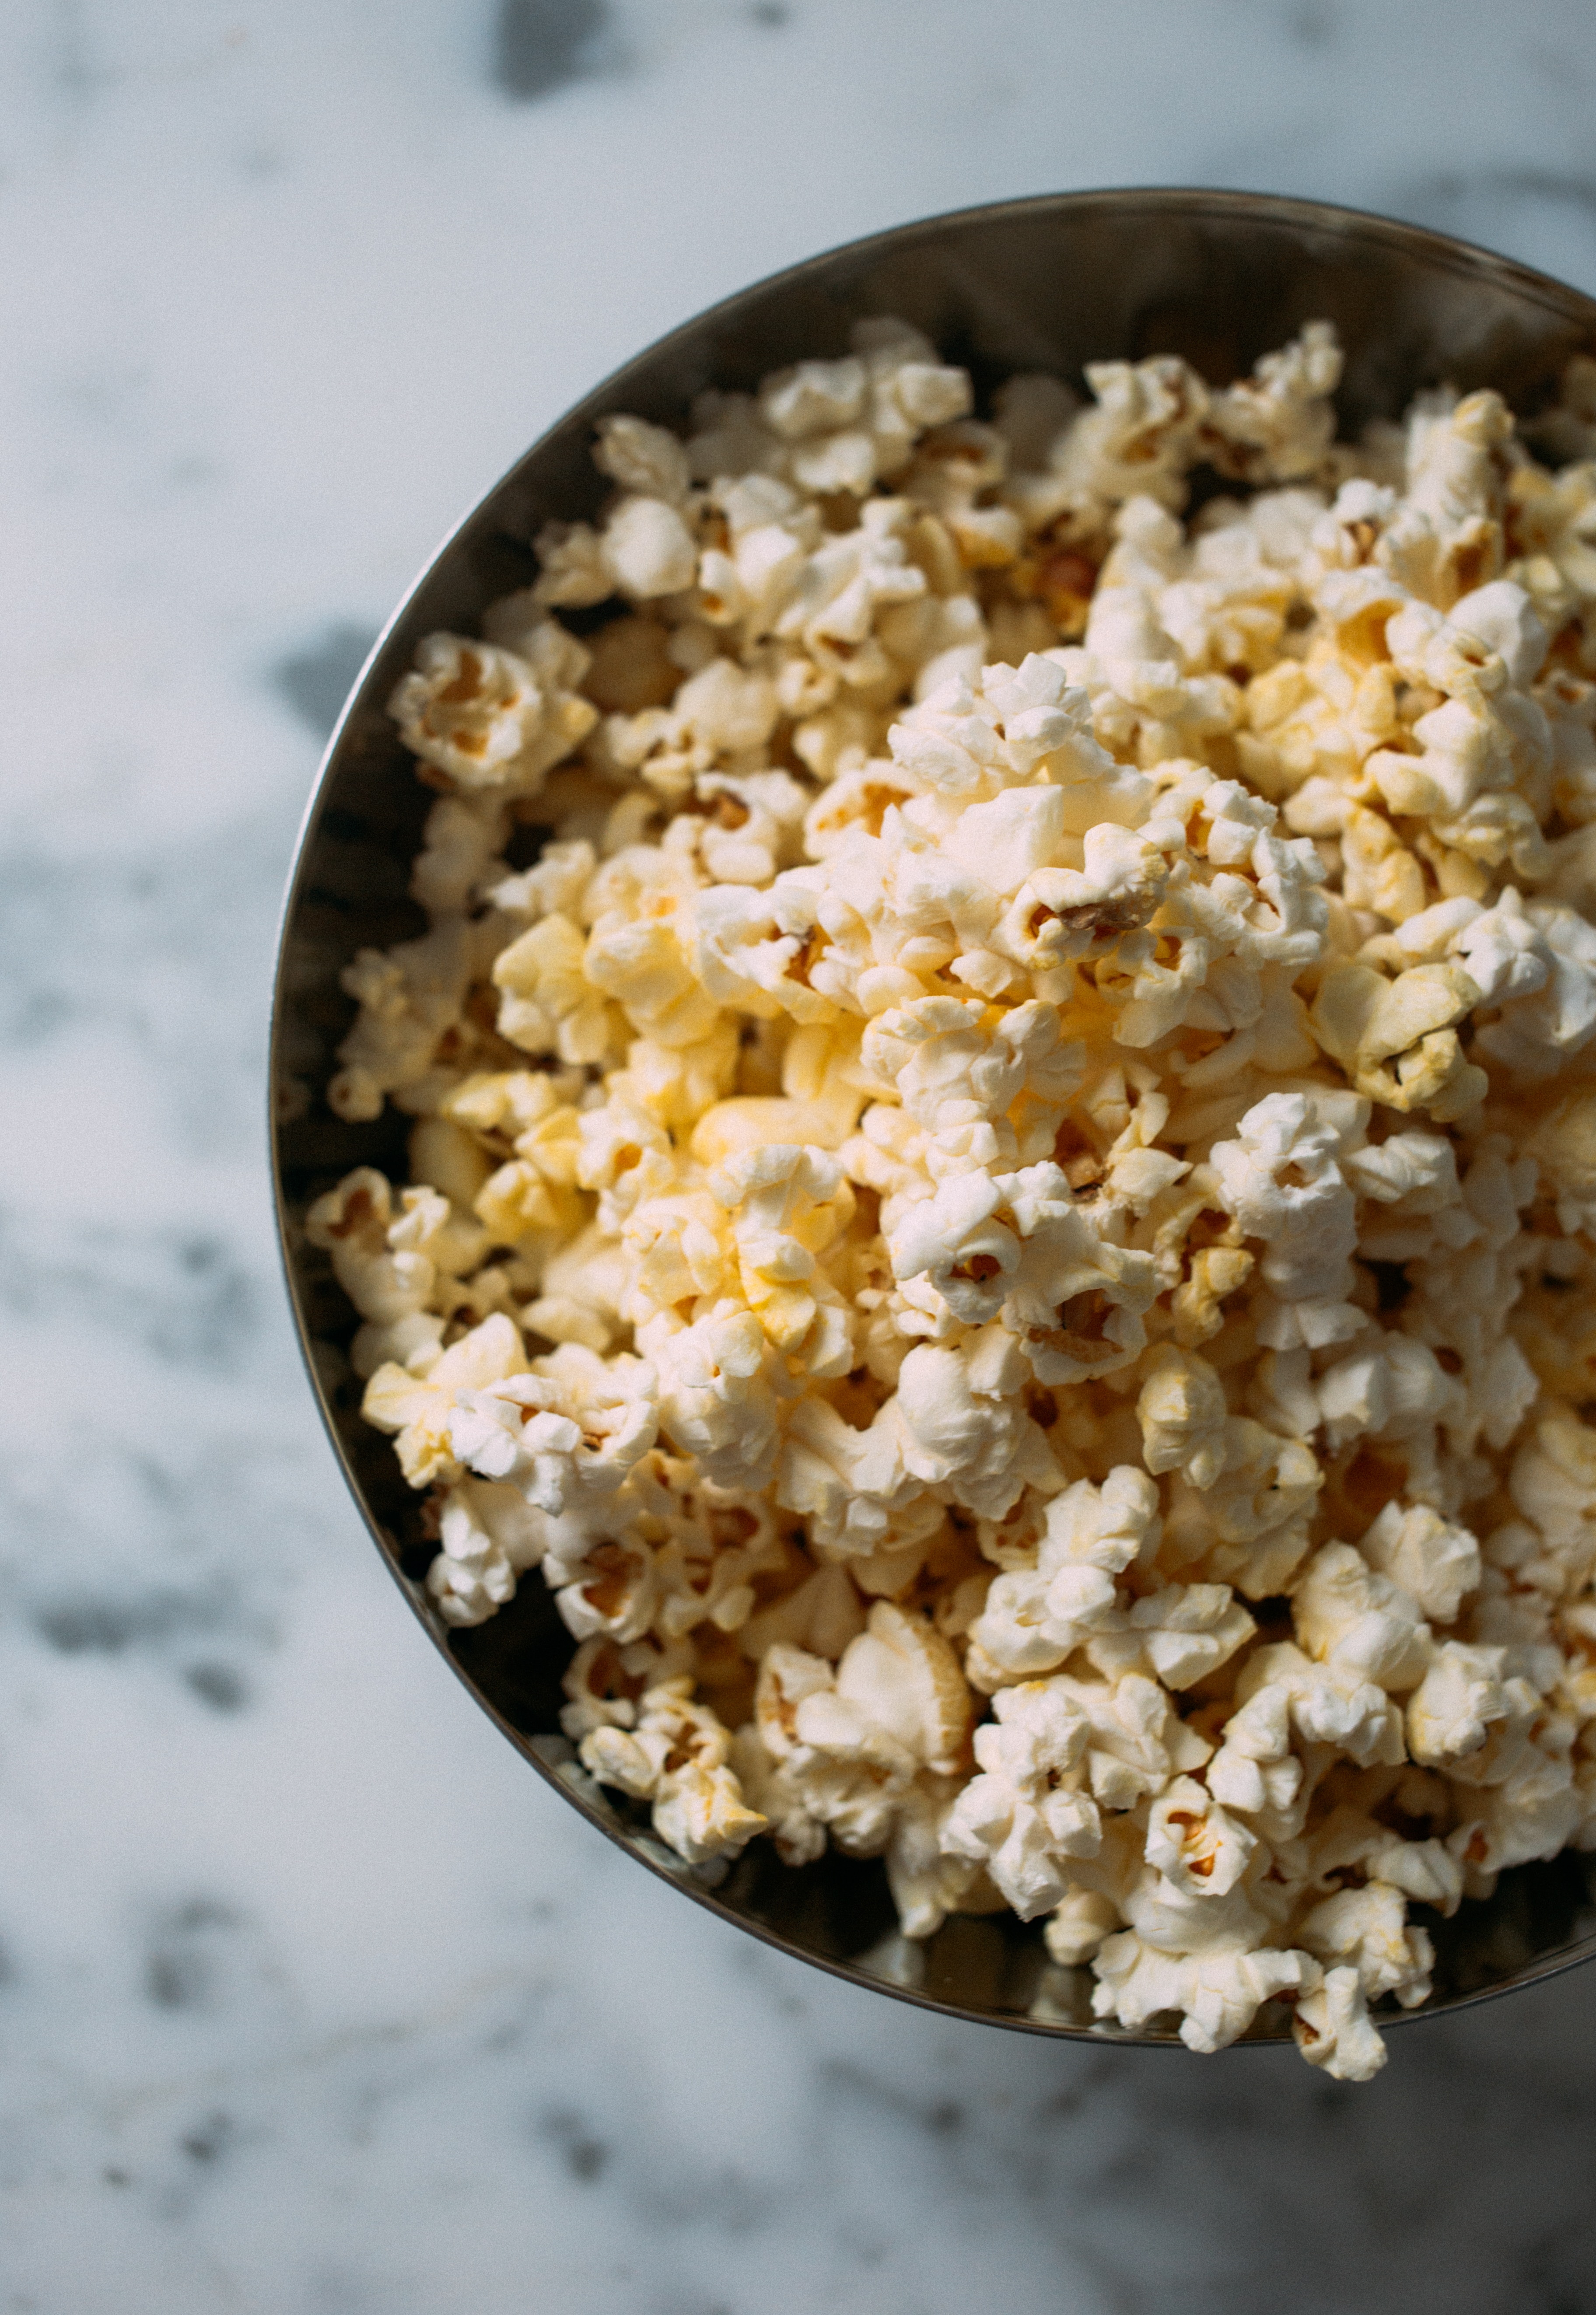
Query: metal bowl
(1045, 284)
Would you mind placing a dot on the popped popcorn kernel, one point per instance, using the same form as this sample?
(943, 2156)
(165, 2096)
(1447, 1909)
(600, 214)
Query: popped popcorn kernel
(1003, 1213)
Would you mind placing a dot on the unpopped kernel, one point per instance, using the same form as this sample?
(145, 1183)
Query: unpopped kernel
(1006, 1213)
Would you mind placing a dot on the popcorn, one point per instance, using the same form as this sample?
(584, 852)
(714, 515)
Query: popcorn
(1191, 1839)
(1436, 1564)
(676, 1757)
(1333, 2031)
(479, 714)
(1255, 1770)
(1250, 1526)
(1328, 1703)
(1136, 1742)
(1022, 1818)
(1358, 1621)
(420, 1408)
(868, 1753)
(643, 458)
(1016, 1180)
(1184, 1416)
(389, 1283)
(963, 1429)
(548, 1003)
(486, 1541)
(1034, 1618)
(1217, 1994)
(716, 1400)
(1280, 1180)
(1180, 1635)
(412, 1003)
(574, 1425)
(1137, 439)
(648, 549)
(1455, 1704)
(1205, 1955)
(605, 1683)
(461, 838)
(1278, 424)
(787, 1204)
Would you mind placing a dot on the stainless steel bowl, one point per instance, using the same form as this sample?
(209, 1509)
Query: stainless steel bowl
(1051, 284)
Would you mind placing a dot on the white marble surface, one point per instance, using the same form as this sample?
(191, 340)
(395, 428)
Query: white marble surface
(312, 1999)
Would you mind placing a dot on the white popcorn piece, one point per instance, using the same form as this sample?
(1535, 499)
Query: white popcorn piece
(412, 1003)
(418, 1408)
(575, 1426)
(813, 397)
(1060, 915)
(1018, 1173)
(1034, 1618)
(1328, 1703)
(486, 1541)
(1136, 439)
(789, 1202)
(648, 549)
(481, 716)
(1217, 1994)
(1137, 1741)
(676, 1756)
(572, 573)
(966, 743)
(1209, 1957)
(1254, 1769)
(865, 1752)
(1198, 1847)
(1367, 1929)
(463, 837)
(548, 1003)
(1022, 1817)
(853, 1488)
(717, 1402)
(1075, 1930)
(605, 1683)
(606, 1579)
(1391, 1389)
(390, 1285)
(1358, 1621)
(1332, 2029)
(1181, 1635)
(1503, 617)
(963, 1427)
(1250, 1526)
(1543, 1020)
(1184, 1416)
(1278, 424)
(1078, 1299)
(1281, 1180)
(1436, 1564)
(1454, 1706)
(643, 458)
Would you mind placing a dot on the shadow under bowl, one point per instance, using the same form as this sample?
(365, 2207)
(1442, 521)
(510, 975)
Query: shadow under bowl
(1050, 283)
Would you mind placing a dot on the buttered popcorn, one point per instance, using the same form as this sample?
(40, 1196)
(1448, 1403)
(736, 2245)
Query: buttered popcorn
(1006, 1214)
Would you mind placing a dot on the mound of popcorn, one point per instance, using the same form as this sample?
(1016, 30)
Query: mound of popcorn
(1007, 1209)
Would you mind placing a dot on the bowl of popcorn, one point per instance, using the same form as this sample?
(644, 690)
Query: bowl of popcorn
(936, 1066)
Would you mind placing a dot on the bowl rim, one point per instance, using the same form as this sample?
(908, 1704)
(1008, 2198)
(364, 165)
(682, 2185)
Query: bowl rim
(1445, 252)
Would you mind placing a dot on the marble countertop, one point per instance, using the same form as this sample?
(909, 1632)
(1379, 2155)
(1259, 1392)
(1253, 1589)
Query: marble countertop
(312, 1999)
